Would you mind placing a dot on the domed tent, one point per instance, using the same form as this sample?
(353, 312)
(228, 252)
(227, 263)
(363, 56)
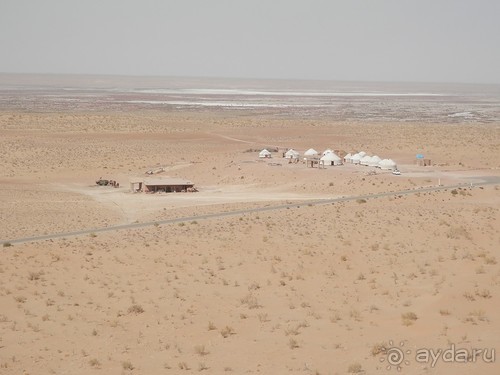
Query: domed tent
(356, 158)
(374, 161)
(311, 153)
(327, 151)
(264, 154)
(387, 164)
(362, 153)
(365, 160)
(347, 158)
(292, 154)
(331, 159)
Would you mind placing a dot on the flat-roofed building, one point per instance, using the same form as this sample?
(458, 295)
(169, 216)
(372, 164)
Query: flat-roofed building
(161, 185)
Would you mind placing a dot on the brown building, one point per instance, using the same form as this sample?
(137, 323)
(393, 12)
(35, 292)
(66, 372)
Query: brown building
(160, 185)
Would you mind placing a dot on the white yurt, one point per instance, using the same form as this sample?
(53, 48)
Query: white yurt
(387, 164)
(331, 159)
(362, 153)
(327, 151)
(292, 154)
(347, 158)
(356, 158)
(311, 152)
(365, 160)
(264, 154)
(374, 161)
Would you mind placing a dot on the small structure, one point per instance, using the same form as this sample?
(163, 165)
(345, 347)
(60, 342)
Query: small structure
(347, 158)
(292, 154)
(161, 185)
(330, 159)
(327, 151)
(422, 161)
(264, 154)
(311, 157)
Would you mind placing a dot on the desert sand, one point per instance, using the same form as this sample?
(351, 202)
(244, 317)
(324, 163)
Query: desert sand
(308, 289)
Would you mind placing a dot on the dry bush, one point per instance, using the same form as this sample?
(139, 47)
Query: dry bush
(409, 318)
(183, 366)
(293, 344)
(355, 368)
(202, 366)
(20, 299)
(201, 350)
(356, 315)
(227, 331)
(127, 365)
(490, 260)
(378, 348)
(33, 276)
(251, 301)
(485, 293)
(95, 363)
(469, 296)
(135, 309)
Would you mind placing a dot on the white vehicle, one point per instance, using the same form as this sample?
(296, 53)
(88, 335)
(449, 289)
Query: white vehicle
(396, 172)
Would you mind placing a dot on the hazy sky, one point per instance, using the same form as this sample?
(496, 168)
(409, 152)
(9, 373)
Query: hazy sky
(375, 40)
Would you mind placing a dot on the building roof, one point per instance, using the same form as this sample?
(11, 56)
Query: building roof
(161, 181)
(330, 156)
(327, 151)
(356, 157)
(311, 152)
(292, 153)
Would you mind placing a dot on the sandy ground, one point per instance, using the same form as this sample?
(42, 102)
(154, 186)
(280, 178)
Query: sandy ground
(309, 290)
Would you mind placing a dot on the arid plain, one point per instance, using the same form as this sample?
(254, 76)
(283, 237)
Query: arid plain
(307, 289)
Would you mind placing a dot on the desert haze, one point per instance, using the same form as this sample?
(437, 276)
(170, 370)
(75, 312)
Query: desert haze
(272, 267)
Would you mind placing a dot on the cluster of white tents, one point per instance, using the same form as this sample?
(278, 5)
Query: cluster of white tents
(330, 158)
(372, 161)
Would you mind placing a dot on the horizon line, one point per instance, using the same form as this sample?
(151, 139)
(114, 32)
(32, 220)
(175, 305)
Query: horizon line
(207, 77)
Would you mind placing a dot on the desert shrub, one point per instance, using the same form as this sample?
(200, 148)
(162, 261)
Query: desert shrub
(135, 309)
(354, 368)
